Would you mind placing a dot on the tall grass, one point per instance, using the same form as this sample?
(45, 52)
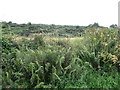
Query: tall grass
(93, 62)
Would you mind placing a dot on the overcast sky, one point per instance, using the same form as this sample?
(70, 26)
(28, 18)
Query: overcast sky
(60, 12)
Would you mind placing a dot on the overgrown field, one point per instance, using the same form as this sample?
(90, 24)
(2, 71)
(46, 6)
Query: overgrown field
(90, 59)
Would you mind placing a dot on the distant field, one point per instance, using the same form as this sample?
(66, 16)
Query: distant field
(46, 38)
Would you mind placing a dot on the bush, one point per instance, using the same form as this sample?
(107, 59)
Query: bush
(8, 46)
(39, 41)
(63, 43)
(100, 48)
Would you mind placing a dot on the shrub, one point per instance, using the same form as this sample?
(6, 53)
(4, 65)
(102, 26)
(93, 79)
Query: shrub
(98, 47)
(39, 41)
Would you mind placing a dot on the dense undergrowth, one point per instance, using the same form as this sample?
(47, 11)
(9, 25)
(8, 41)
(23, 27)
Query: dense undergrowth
(93, 62)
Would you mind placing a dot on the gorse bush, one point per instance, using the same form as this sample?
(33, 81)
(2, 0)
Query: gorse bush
(100, 48)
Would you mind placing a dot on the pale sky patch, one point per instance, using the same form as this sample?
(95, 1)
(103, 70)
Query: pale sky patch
(60, 12)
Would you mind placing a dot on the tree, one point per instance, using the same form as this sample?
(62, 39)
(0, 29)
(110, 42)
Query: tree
(90, 25)
(95, 25)
(4, 25)
(10, 22)
(29, 23)
(113, 26)
(77, 27)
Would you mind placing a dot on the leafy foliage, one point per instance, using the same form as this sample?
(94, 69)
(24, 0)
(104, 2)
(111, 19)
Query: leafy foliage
(90, 62)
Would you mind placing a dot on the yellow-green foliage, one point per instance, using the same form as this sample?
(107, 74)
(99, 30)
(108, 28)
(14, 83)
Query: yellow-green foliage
(100, 48)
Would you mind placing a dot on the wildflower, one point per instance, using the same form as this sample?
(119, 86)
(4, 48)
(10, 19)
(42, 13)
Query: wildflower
(104, 43)
(110, 54)
(94, 38)
(90, 66)
(114, 59)
(115, 38)
(102, 55)
(116, 46)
